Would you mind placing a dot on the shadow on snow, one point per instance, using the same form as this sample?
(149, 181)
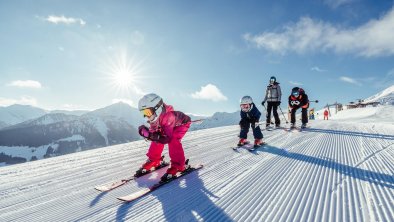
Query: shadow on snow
(380, 179)
(351, 133)
(185, 199)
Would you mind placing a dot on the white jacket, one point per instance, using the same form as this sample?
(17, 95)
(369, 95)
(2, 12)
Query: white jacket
(273, 93)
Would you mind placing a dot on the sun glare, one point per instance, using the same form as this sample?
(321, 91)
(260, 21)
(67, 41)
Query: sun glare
(123, 73)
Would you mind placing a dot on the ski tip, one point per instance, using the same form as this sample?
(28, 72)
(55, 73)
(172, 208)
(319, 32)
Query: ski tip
(102, 189)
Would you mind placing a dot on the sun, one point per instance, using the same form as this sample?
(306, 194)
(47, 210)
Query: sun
(123, 72)
(123, 78)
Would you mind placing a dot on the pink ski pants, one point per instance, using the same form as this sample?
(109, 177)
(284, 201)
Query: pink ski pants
(175, 148)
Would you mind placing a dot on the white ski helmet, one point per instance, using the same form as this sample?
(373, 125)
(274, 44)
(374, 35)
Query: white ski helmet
(246, 100)
(151, 104)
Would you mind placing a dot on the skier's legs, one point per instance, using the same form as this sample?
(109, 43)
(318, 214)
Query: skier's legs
(244, 129)
(175, 148)
(269, 108)
(304, 115)
(155, 150)
(257, 132)
(275, 112)
(293, 112)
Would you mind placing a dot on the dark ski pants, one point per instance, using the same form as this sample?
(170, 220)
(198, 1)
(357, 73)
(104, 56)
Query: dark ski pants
(304, 114)
(274, 107)
(245, 125)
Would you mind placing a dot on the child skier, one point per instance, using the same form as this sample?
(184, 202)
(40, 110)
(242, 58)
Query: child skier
(250, 116)
(166, 127)
(298, 99)
(273, 96)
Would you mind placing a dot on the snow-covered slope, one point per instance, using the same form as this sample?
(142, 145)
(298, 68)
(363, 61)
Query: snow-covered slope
(385, 97)
(335, 171)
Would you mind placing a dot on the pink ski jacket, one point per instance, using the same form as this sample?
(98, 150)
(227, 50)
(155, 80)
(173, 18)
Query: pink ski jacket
(167, 122)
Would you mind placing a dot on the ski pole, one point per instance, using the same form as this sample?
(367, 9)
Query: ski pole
(283, 114)
(314, 101)
(197, 120)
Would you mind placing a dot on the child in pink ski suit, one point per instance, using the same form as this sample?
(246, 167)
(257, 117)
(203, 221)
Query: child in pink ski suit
(166, 127)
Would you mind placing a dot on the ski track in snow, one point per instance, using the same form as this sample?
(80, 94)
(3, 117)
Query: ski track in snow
(330, 172)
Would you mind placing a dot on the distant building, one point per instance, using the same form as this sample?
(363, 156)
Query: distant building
(361, 104)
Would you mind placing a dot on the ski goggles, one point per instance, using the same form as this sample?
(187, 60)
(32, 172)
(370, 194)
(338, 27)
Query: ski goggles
(148, 112)
(296, 93)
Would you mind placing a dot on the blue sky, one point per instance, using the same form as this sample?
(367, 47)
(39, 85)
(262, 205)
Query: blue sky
(200, 56)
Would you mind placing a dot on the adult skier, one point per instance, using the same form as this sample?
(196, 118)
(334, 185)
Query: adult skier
(325, 114)
(166, 127)
(298, 99)
(273, 96)
(250, 117)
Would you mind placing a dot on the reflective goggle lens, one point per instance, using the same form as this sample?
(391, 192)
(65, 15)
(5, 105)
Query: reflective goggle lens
(147, 112)
(296, 93)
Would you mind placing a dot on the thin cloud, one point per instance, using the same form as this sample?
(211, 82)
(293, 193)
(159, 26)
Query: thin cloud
(209, 92)
(350, 80)
(372, 39)
(337, 3)
(64, 20)
(26, 84)
(295, 83)
(317, 69)
(24, 100)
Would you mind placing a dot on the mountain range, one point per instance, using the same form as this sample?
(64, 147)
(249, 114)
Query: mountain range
(30, 133)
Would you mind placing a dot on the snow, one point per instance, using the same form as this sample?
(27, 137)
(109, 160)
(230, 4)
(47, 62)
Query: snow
(384, 97)
(27, 152)
(338, 170)
(73, 138)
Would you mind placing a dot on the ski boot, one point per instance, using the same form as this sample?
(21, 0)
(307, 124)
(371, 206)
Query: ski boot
(292, 126)
(242, 142)
(277, 126)
(303, 126)
(258, 142)
(150, 165)
(174, 172)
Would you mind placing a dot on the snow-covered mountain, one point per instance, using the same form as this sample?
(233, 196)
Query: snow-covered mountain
(57, 133)
(217, 120)
(71, 112)
(15, 114)
(334, 171)
(385, 97)
(120, 110)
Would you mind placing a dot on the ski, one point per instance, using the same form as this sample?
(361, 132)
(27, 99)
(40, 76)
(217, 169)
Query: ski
(241, 146)
(147, 190)
(291, 129)
(255, 147)
(116, 184)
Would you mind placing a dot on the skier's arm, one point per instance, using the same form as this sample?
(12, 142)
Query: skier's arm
(279, 93)
(168, 129)
(266, 95)
(256, 114)
(305, 101)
